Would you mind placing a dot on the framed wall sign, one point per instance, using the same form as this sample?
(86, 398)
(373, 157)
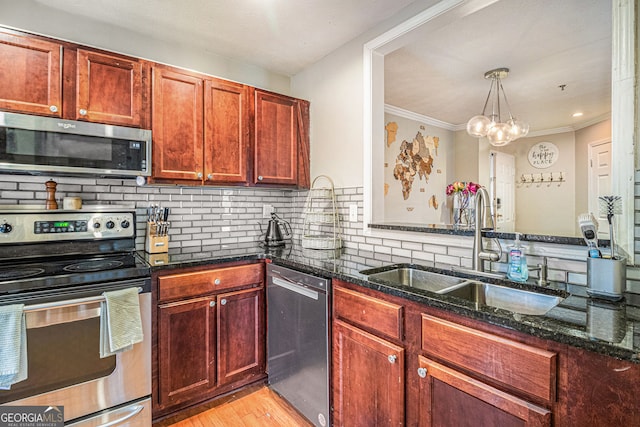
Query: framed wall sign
(543, 154)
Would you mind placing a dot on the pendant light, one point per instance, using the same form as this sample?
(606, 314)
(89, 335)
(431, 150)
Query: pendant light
(492, 127)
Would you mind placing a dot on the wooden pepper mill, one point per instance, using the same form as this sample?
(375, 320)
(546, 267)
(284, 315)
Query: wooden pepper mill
(51, 195)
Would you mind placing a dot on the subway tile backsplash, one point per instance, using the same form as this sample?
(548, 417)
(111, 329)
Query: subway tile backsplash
(202, 216)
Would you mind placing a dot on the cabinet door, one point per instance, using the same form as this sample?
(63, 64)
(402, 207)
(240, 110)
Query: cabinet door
(450, 398)
(177, 117)
(186, 349)
(227, 131)
(30, 75)
(368, 379)
(241, 335)
(109, 89)
(276, 140)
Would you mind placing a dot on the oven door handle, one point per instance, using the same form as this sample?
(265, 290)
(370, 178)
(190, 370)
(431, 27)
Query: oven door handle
(134, 410)
(66, 303)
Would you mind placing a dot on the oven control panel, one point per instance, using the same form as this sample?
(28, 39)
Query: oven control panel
(46, 226)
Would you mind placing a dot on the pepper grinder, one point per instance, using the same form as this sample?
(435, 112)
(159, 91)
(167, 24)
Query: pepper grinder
(51, 195)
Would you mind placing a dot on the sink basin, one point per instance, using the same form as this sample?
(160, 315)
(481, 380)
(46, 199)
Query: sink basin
(415, 278)
(515, 300)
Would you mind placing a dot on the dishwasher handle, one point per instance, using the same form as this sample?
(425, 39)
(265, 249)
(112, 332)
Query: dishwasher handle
(294, 287)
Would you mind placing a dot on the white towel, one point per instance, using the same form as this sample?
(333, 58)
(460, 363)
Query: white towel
(13, 345)
(120, 322)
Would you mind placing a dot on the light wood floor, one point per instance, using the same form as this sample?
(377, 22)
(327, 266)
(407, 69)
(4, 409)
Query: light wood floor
(256, 407)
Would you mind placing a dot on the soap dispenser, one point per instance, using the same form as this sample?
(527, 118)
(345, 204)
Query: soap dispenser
(517, 269)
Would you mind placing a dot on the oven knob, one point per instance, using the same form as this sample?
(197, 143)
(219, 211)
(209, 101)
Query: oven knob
(110, 224)
(5, 228)
(125, 224)
(96, 225)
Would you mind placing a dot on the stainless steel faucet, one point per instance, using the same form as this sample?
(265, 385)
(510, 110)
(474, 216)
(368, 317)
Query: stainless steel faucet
(484, 221)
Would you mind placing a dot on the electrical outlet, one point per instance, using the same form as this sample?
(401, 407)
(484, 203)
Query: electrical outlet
(353, 212)
(266, 211)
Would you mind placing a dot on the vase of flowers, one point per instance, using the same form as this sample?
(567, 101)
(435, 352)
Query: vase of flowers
(463, 195)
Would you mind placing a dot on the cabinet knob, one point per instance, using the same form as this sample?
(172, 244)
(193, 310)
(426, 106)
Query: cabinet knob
(83, 112)
(392, 358)
(260, 178)
(216, 282)
(199, 175)
(212, 303)
(53, 109)
(210, 176)
(422, 372)
(223, 301)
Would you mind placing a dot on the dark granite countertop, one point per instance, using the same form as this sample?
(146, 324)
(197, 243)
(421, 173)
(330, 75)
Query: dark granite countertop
(608, 328)
(457, 231)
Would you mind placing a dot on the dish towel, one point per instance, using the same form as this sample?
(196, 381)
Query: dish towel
(13, 345)
(120, 322)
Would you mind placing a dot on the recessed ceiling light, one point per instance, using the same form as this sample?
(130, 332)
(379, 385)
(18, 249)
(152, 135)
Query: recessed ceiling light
(577, 114)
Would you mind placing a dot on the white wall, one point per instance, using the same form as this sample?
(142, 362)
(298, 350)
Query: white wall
(36, 17)
(334, 85)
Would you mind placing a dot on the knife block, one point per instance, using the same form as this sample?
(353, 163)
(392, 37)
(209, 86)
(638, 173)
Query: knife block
(153, 243)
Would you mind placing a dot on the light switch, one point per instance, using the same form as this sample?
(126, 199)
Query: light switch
(353, 212)
(266, 211)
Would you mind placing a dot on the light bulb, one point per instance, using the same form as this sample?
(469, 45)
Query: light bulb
(499, 134)
(519, 129)
(478, 126)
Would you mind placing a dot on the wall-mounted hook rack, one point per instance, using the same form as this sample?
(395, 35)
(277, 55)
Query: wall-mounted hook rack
(543, 177)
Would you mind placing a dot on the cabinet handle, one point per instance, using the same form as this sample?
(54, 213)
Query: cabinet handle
(260, 178)
(210, 176)
(392, 358)
(223, 301)
(422, 372)
(53, 109)
(216, 282)
(199, 175)
(212, 303)
(83, 112)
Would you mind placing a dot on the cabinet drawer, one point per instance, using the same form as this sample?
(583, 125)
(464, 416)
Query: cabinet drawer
(368, 312)
(208, 281)
(519, 366)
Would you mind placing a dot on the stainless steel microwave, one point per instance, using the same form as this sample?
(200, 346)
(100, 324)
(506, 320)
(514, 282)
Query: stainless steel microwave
(41, 145)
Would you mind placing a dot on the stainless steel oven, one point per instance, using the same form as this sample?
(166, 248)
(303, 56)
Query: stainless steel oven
(62, 294)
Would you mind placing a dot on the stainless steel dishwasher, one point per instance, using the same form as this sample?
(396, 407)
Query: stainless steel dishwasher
(298, 340)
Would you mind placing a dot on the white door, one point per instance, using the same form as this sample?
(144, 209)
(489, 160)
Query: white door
(503, 190)
(599, 181)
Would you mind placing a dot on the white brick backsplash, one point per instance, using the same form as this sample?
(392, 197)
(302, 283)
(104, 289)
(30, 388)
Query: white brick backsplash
(212, 216)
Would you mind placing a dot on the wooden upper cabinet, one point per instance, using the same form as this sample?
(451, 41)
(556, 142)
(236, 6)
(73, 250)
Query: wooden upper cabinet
(226, 132)
(30, 75)
(177, 125)
(276, 139)
(109, 89)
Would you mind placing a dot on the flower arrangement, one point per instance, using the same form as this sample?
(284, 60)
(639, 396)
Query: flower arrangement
(462, 192)
(465, 188)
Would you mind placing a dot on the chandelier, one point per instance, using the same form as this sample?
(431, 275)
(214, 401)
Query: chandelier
(492, 127)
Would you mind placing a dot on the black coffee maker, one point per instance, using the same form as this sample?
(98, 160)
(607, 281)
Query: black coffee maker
(278, 230)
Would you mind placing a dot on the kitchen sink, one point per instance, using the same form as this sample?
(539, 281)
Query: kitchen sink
(515, 300)
(415, 278)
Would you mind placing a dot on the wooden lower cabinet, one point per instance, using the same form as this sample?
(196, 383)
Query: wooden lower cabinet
(368, 378)
(186, 349)
(241, 350)
(209, 335)
(451, 398)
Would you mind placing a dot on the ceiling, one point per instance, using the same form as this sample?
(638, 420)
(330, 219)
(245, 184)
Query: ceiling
(545, 43)
(284, 36)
